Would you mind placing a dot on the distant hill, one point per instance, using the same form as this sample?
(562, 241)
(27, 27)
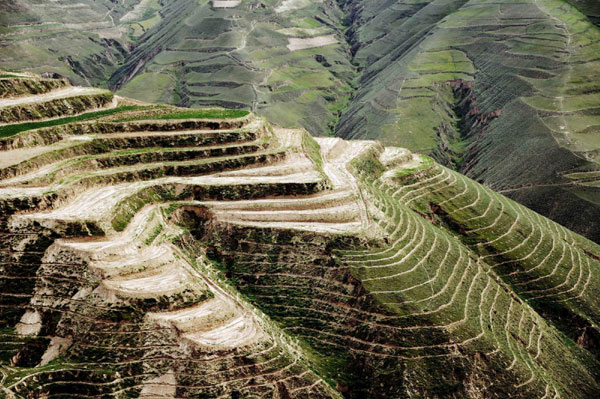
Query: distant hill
(504, 92)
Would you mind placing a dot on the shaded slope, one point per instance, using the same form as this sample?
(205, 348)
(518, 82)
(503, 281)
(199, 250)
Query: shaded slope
(588, 7)
(502, 91)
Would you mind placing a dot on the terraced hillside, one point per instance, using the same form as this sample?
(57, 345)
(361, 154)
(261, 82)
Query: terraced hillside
(155, 252)
(503, 91)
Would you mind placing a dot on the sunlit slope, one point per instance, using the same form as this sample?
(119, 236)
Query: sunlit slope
(158, 252)
(102, 293)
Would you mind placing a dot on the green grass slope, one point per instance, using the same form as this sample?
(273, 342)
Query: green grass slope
(445, 270)
(505, 92)
(79, 40)
(548, 266)
(202, 54)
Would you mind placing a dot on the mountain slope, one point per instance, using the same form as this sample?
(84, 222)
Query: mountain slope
(588, 7)
(285, 60)
(151, 251)
(79, 40)
(503, 91)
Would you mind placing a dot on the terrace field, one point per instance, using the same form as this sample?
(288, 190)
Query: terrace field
(156, 252)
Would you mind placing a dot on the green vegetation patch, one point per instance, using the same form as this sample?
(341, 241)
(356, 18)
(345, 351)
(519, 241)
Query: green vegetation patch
(442, 61)
(196, 114)
(313, 150)
(128, 207)
(152, 87)
(155, 233)
(11, 130)
(426, 163)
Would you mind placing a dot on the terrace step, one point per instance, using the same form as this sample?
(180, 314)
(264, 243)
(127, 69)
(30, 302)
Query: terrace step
(187, 138)
(60, 93)
(175, 125)
(18, 86)
(215, 324)
(55, 172)
(335, 214)
(64, 128)
(135, 260)
(170, 283)
(162, 387)
(236, 333)
(16, 163)
(145, 173)
(11, 159)
(57, 103)
(325, 198)
(395, 156)
(337, 227)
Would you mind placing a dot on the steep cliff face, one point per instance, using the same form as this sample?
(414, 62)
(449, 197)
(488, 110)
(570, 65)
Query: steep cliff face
(155, 252)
